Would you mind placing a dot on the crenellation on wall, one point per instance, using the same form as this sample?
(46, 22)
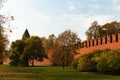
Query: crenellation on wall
(85, 44)
(89, 43)
(106, 42)
(111, 38)
(108, 39)
(97, 41)
(93, 43)
(118, 37)
(103, 40)
(114, 38)
(82, 45)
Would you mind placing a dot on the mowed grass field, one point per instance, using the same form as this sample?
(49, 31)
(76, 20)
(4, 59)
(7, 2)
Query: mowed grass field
(49, 73)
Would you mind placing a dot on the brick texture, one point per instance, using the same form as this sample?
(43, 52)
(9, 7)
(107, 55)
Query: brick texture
(107, 42)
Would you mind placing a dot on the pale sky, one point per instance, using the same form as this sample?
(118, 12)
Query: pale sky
(45, 17)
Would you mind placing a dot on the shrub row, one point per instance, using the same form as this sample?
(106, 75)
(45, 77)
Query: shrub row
(107, 61)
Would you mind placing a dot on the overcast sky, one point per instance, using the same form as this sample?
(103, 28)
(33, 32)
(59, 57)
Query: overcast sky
(45, 17)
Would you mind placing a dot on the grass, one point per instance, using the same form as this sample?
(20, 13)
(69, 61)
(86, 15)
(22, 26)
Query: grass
(49, 73)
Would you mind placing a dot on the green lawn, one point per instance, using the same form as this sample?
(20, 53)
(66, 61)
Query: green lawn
(48, 73)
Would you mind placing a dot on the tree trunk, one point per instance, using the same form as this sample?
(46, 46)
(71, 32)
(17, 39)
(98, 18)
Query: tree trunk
(67, 64)
(32, 62)
(63, 65)
(27, 63)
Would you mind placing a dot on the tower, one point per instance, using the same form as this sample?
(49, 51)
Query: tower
(26, 34)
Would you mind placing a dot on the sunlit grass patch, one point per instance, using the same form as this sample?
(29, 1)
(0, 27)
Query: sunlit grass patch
(49, 73)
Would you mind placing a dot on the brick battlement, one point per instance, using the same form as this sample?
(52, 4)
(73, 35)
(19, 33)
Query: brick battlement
(106, 42)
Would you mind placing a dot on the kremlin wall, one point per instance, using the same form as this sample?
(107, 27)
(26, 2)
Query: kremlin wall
(106, 42)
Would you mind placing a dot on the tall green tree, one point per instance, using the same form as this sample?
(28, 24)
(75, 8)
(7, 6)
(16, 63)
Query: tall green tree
(24, 51)
(16, 50)
(33, 50)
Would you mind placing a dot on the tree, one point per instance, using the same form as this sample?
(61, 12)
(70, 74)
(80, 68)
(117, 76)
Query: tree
(3, 41)
(33, 50)
(3, 37)
(64, 52)
(96, 31)
(16, 50)
(63, 56)
(24, 51)
(93, 31)
(68, 38)
(50, 42)
(111, 28)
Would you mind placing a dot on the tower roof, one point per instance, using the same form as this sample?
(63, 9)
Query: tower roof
(26, 34)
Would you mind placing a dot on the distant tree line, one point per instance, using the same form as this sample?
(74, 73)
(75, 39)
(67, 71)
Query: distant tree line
(60, 50)
(96, 31)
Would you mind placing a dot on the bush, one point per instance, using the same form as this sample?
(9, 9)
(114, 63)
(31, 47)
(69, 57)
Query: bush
(85, 64)
(75, 63)
(88, 61)
(107, 61)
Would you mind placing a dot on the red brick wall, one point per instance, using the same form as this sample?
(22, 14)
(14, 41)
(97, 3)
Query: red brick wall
(101, 44)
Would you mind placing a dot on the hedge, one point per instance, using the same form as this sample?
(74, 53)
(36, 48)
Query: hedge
(107, 61)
